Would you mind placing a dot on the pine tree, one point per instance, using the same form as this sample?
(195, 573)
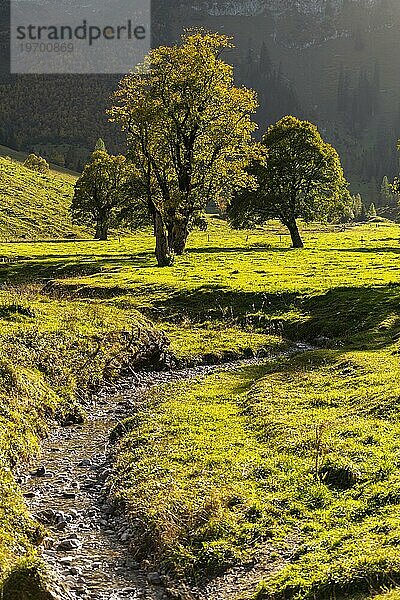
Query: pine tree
(100, 146)
(357, 207)
(371, 212)
(364, 213)
(386, 194)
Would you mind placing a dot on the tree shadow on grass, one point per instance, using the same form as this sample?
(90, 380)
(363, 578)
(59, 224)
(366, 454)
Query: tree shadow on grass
(25, 270)
(239, 250)
(211, 303)
(372, 250)
(363, 317)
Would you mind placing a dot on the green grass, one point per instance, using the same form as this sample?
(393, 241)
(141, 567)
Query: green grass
(231, 279)
(236, 452)
(32, 205)
(302, 453)
(60, 172)
(181, 472)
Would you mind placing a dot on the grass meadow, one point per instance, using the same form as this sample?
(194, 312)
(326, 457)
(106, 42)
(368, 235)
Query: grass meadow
(296, 457)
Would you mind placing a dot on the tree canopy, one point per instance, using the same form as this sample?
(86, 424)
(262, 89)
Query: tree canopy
(100, 192)
(301, 177)
(188, 130)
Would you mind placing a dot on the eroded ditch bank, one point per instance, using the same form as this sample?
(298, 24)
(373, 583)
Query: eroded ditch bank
(87, 546)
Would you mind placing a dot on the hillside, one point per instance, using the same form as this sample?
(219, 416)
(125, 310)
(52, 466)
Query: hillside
(34, 206)
(59, 172)
(331, 61)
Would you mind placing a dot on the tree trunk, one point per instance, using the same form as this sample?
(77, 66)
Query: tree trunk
(179, 236)
(163, 252)
(101, 231)
(297, 242)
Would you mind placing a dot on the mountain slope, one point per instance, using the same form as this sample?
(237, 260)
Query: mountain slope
(331, 61)
(34, 206)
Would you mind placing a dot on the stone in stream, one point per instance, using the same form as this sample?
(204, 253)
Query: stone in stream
(69, 494)
(40, 472)
(68, 545)
(30, 495)
(154, 578)
(46, 516)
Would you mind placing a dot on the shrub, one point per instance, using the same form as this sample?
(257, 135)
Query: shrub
(37, 163)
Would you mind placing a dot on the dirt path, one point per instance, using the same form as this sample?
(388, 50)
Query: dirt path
(65, 490)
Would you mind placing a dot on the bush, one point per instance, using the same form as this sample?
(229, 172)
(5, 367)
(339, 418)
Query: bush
(37, 163)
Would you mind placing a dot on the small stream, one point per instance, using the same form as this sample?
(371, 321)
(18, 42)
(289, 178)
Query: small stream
(87, 547)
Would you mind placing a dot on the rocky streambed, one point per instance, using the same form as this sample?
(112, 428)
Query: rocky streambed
(87, 546)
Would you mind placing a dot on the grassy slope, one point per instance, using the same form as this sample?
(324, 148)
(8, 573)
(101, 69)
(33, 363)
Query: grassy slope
(60, 172)
(34, 206)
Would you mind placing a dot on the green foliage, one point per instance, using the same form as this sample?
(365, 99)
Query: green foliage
(371, 213)
(100, 146)
(188, 130)
(37, 163)
(357, 206)
(301, 178)
(386, 193)
(100, 191)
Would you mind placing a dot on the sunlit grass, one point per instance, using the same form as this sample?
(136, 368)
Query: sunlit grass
(237, 453)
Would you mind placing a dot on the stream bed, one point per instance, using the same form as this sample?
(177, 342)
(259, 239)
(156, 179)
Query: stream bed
(87, 546)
